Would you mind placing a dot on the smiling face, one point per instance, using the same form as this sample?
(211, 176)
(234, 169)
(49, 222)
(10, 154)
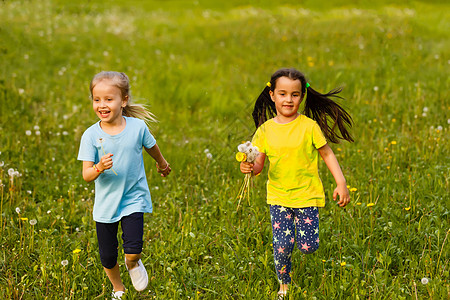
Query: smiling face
(287, 96)
(108, 102)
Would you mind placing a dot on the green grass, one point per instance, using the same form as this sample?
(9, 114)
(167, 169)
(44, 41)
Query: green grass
(200, 66)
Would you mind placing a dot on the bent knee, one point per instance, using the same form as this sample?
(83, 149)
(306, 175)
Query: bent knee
(309, 249)
(108, 261)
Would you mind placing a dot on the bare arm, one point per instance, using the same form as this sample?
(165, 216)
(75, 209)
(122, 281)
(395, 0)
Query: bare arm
(341, 185)
(256, 167)
(162, 165)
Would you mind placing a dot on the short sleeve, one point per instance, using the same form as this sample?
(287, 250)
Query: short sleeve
(318, 138)
(148, 141)
(259, 139)
(87, 151)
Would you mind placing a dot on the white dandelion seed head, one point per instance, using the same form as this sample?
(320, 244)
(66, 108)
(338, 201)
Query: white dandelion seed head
(49, 211)
(11, 172)
(375, 88)
(17, 210)
(424, 280)
(65, 133)
(21, 91)
(38, 132)
(206, 150)
(242, 148)
(2, 163)
(36, 127)
(425, 109)
(209, 155)
(77, 229)
(64, 262)
(29, 192)
(33, 222)
(439, 128)
(17, 174)
(28, 132)
(424, 114)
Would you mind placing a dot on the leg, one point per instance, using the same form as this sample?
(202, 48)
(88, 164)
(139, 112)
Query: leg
(307, 222)
(133, 231)
(107, 245)
(283, 230)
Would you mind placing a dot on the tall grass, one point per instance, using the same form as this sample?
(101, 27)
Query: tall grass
(200, 66)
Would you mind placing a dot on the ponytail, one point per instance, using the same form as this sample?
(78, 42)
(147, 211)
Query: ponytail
(320, 107)
(122, 82)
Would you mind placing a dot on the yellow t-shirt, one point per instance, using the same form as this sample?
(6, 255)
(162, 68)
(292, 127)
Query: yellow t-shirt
(292, 152)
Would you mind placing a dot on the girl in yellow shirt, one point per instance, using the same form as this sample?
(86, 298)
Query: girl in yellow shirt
(292, 142)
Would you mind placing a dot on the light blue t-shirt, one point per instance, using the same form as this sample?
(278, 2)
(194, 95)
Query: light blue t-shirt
(127, 192)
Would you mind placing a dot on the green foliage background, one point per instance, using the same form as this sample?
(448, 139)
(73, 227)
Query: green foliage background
(200, 65)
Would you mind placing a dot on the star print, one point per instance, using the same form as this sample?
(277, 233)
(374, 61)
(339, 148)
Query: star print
(282, 208)
(301, 211)
(276, 225)
(276, 261)
(288, 216)
(308, 221)
(305, 246)
(297, 220)
(317, 241)
(275, 240)
(280, 250)
(316, 230)
(287, 232)
(292, 240)
(302, 233)
(283, 270)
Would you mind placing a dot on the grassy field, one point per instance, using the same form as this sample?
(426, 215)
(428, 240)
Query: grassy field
(200, 65)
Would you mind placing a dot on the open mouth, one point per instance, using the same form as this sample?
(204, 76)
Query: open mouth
(104, 113)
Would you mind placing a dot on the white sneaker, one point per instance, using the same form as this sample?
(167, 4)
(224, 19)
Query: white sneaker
(138, 276)
(117, 295)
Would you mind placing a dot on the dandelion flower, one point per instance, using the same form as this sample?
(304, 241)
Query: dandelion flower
(209, 155)
(33, 222)
(407, 208)
(24, 219)
(240, 156)
(343, 263)
(28, 132)
(424, 280)
(375, 88)
(206, 150)
(11, 172)
(353, 189)
(358, 203)
(394, 143)
(64, 262)
(17, 210)
(370, 204)
(76, 251)
(36, 127)
(425, 109)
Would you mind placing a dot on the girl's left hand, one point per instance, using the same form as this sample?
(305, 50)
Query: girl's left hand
(344, 195)
(164, 171)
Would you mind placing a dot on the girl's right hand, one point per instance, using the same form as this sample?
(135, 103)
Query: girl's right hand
(105, 162)
(246, 167)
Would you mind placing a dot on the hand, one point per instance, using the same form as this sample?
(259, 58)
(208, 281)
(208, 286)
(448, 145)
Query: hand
(344, 195)
(165, 170)
(105, 162)
(246, 167)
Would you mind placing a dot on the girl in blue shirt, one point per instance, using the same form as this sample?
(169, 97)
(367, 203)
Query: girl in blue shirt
(111, 151)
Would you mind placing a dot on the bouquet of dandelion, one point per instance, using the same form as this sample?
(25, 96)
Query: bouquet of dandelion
(247, 152)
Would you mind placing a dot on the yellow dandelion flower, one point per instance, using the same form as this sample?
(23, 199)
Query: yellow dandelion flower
(240, 156)
(407, 208)
(76, 251)
(388, 167)
(323, 260)
(24, 219)
(370, 204)
(358, 203)
(339, 149)
(284, 38)
(309, 58)
(331, 63)
(343, 263)
(310, 64)
(394, 143)
(353, 189)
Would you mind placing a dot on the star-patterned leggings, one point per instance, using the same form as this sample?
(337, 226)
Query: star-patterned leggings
(285, 221)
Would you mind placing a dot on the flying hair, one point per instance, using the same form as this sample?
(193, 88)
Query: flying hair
(122, 82)
(332, 119)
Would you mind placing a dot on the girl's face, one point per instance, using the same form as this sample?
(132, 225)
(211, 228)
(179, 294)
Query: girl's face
(108, 102)
(287, 97)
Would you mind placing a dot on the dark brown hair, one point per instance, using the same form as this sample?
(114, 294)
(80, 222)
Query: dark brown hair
(333, 120)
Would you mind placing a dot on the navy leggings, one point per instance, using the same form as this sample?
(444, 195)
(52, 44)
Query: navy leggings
(285, 222)
(132, 236)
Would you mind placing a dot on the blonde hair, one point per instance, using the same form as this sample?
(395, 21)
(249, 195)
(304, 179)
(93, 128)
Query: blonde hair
(122, 82)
